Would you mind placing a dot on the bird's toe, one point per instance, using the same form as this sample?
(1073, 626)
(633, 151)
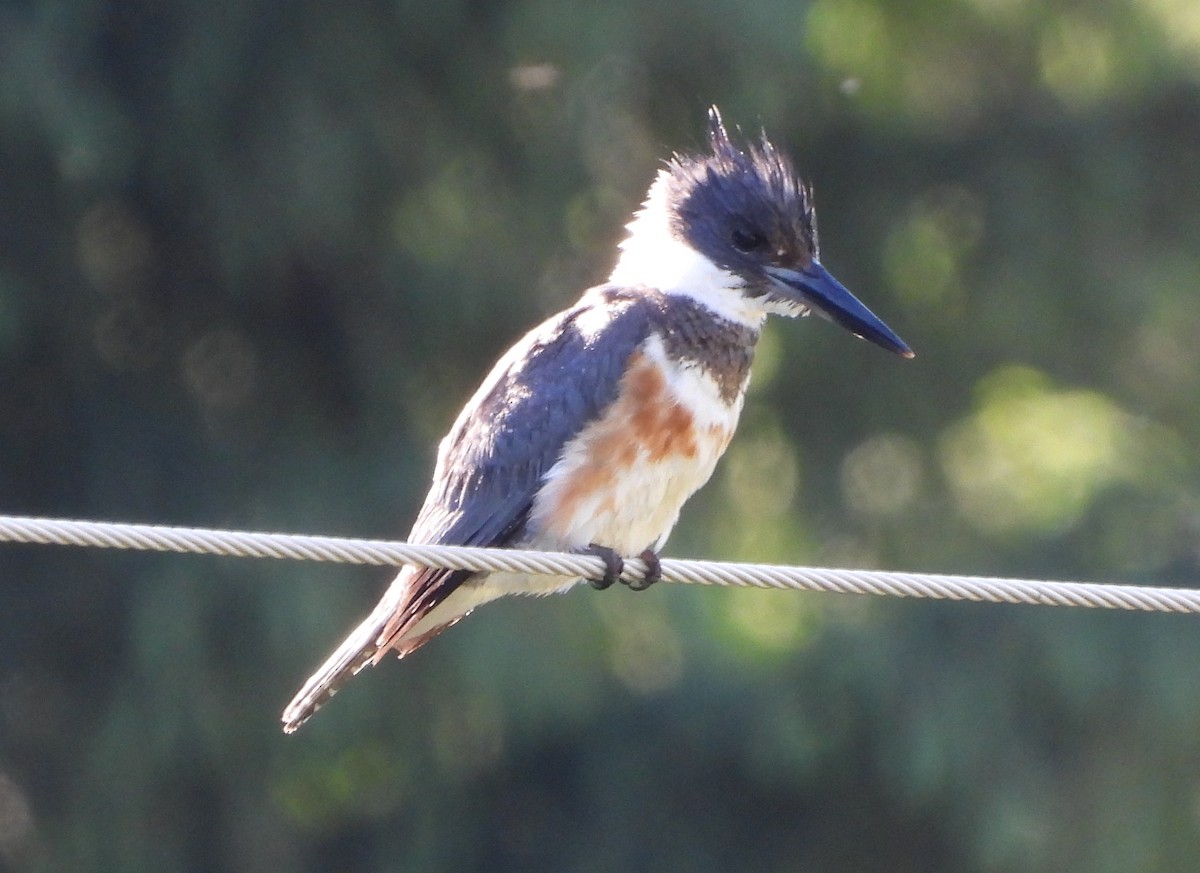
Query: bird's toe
(614, 565)
(653, 571)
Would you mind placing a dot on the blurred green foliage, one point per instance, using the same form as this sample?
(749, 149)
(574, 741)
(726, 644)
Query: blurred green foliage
(254, 256)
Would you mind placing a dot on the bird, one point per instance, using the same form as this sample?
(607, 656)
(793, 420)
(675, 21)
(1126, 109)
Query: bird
(593, 430)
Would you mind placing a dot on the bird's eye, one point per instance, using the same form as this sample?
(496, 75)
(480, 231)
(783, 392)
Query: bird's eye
(747, 241)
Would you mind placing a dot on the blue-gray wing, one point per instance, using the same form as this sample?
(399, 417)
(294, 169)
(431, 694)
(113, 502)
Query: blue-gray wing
(556, 380)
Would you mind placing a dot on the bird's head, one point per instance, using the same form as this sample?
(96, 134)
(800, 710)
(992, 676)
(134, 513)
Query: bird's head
(747, 214)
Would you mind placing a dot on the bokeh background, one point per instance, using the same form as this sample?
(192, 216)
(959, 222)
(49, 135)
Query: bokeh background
(255, 255)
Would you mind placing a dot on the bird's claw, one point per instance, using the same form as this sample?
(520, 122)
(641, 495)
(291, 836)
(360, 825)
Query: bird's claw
(614, 566)
(653, 571)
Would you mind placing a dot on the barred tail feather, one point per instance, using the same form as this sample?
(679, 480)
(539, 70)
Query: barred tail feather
(356, 651)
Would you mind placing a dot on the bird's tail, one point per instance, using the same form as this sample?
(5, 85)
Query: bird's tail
(358, 650)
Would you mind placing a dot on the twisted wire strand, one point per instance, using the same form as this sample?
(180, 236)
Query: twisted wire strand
(142, 537)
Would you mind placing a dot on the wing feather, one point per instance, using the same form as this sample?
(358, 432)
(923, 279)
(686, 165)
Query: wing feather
(560, 376)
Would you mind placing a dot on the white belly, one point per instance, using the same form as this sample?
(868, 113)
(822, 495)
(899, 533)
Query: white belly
(623, 480)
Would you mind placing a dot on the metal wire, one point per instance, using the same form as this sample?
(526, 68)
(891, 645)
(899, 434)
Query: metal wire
(17, 529)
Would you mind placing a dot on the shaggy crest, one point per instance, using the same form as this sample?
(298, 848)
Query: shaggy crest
(767, 211)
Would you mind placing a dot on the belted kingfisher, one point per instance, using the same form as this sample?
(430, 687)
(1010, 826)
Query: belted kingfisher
(596, 427)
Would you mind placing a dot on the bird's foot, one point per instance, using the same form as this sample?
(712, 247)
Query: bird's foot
(614, 564)
(653, 571)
